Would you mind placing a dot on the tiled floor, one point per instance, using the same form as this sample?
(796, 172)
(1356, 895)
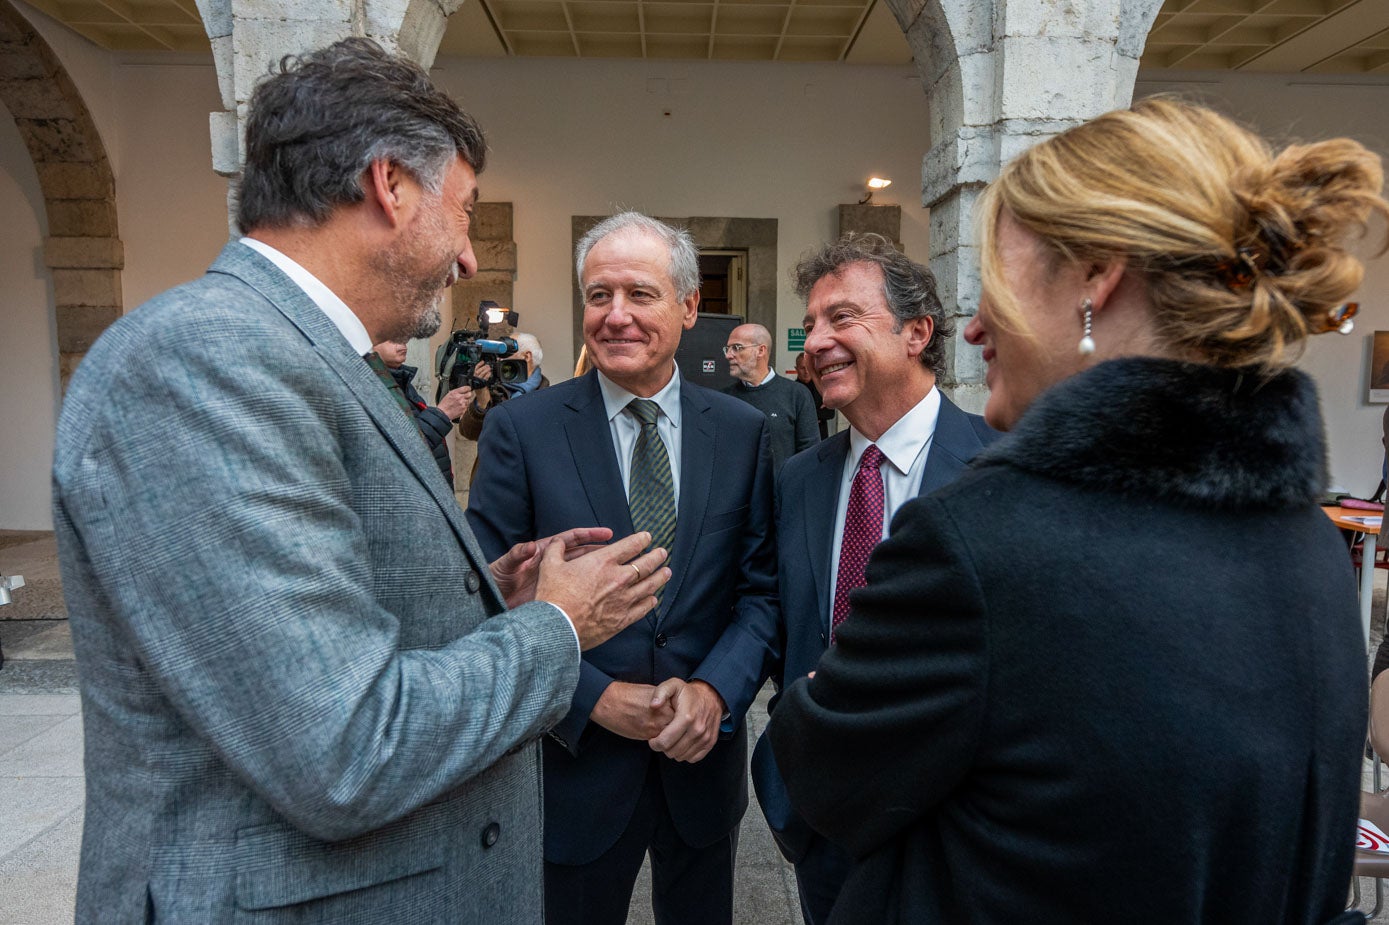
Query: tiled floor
(41, 798)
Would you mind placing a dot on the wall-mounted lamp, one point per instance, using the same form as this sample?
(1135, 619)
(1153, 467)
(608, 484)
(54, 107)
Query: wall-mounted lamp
(874, 184)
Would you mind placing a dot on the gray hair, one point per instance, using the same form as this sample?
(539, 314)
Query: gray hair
(684, 256)
(320, 119)
(908, 287)
(529, 342)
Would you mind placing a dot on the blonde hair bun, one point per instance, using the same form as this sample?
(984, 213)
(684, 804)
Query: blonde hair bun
(1245, 253)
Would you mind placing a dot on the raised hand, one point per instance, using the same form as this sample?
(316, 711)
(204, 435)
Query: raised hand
(603, 589)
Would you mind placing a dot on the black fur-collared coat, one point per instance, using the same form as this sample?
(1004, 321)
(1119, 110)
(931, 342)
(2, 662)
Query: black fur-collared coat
(1114, 673)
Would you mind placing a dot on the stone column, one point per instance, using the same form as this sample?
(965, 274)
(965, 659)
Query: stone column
(1001, 76)
(494, 245)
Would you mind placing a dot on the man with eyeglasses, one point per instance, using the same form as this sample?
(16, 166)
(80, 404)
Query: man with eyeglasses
(790, 412)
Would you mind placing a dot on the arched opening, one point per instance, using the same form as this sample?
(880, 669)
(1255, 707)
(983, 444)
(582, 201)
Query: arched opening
(67, 259)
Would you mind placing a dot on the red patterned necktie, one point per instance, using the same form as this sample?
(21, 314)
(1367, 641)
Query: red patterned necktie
(863, 528)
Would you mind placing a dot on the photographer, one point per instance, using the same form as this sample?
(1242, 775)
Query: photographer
(528, 349)
(435, 422)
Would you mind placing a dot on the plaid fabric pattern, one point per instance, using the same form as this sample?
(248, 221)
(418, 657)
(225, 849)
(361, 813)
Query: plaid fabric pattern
(374, 361)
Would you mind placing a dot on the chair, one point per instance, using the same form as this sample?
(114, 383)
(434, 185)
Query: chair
(1375, 806)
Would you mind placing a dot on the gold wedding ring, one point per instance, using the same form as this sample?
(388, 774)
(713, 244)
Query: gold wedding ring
(640, 576)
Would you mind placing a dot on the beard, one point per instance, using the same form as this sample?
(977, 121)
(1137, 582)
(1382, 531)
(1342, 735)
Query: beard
(428, 321)
(419, 315)
(417, 273)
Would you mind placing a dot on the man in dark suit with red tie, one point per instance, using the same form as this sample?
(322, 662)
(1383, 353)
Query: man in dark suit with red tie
(652, 755)
(875, 342)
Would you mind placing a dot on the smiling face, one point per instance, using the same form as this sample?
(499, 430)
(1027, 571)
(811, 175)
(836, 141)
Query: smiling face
(632, 317)
(864, 363)
(1023, 363)
(434, 251)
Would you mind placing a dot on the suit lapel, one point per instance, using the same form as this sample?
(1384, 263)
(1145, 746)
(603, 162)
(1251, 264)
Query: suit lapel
(399, 430)
(953, 445)
(697, 454)
(590, 441)
(818, 506)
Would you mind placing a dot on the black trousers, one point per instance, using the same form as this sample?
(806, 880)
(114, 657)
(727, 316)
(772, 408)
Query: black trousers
(689, 885)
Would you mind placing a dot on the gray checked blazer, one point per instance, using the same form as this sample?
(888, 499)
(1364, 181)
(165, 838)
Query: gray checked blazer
(302, 698)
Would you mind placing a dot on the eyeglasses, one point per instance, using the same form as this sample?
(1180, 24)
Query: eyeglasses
(733, 348)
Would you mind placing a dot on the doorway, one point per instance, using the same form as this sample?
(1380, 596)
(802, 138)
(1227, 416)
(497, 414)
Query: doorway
(723, 285)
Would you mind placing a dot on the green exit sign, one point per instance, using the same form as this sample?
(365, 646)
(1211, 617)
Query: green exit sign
(795, 339)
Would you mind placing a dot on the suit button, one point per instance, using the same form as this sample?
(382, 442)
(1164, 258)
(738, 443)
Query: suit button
(491, 834)
(471, 582)
(660, 640)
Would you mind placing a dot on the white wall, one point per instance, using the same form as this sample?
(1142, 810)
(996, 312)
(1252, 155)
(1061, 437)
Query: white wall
(1288, 109)
(789, 142)
(172, 207)
(28, 342)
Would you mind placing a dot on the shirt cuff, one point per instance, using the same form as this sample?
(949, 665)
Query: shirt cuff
(577, 647)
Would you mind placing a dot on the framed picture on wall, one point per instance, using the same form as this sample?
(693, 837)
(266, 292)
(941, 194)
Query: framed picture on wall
(1379, 369)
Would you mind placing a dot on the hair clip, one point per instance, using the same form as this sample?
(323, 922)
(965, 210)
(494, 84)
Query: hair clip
(1239, 274)
(1339, 319)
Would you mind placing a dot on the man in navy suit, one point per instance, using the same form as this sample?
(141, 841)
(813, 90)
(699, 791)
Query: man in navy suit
(875, 340)
(651, 756)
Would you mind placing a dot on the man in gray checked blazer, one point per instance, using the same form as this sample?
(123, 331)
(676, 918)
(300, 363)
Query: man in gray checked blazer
(307, 696)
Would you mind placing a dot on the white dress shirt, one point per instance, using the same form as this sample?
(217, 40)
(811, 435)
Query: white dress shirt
(343, 318)
(906, 445)
(347, 322)
(625, 428)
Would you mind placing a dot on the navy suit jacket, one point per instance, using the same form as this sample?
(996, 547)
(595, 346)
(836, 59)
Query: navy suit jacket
(807, 498)
(546, 463)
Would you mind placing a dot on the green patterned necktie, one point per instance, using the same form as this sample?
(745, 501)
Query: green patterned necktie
(374, 361)
(650, 492)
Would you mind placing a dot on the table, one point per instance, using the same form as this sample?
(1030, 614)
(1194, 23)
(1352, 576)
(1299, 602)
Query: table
(1340, 516)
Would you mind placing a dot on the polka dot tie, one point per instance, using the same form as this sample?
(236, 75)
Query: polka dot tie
(863, 528)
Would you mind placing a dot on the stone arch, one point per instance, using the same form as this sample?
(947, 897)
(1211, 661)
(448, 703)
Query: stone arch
(1000, 76)
(83, 249)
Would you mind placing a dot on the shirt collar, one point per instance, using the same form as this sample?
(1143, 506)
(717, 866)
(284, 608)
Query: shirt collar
(902, 442)
(616, 398)
(343, 318)
(771, 374)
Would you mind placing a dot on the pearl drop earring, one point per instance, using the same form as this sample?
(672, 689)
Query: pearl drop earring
(1087, 343)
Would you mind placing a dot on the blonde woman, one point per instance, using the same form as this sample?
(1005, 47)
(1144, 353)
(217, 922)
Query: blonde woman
(1148, 704)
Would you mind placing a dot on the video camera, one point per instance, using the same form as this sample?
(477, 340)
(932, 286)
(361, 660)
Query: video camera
(459, 356)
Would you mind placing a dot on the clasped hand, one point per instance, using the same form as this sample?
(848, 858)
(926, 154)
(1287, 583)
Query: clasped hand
(678, 718)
